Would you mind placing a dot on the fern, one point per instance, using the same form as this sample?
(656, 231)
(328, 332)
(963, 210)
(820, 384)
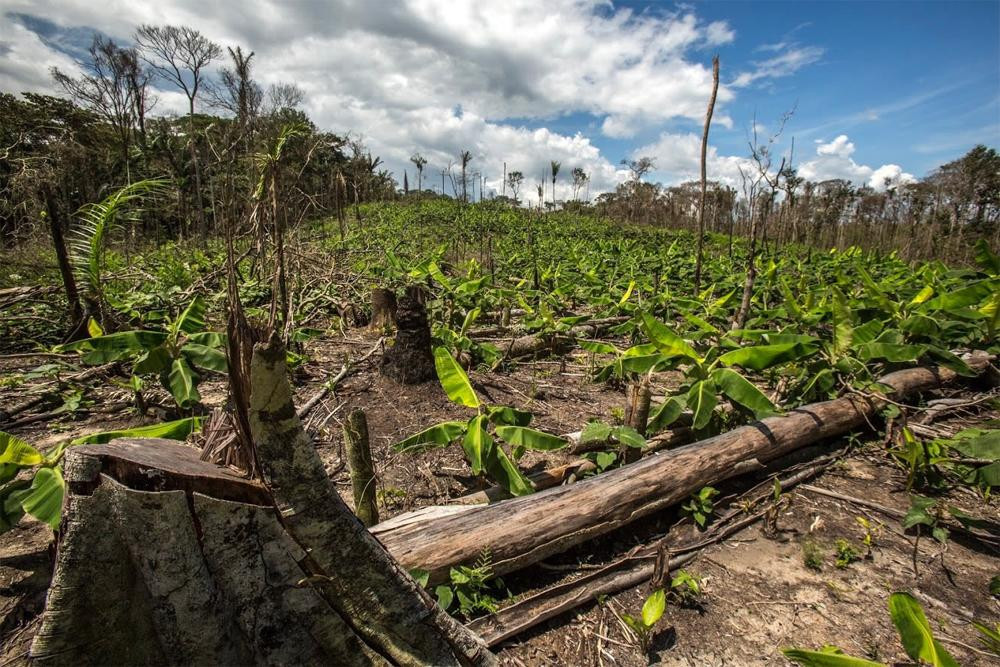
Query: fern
(96, 222)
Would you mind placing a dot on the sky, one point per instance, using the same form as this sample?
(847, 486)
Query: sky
(873, 92)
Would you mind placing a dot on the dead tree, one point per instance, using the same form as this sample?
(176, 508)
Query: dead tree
(704, 151)
(165, 559)
(410, 360)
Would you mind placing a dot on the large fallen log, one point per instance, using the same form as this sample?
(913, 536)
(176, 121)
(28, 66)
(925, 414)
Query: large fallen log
(522, 346)
(525, 530)
(634, 569)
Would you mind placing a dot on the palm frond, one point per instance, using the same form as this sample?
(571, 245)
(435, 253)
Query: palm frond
(96, 221)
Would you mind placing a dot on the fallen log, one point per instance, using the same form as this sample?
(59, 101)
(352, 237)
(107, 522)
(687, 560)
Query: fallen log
(634, 569)
(522, 346)
(525, 530)
(546, 479)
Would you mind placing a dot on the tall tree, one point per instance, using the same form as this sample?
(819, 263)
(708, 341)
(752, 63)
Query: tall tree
(579, 180)
(704, 183)
(419, 162)
(237, 91)
(514, 181)
(180, 55)
(464, 158)
(112, 85)
(555, 172)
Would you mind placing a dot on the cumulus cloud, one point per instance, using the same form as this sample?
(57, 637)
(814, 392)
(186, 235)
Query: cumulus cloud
(397, 73)
(677, 158)
(834, 160)
(25, 59)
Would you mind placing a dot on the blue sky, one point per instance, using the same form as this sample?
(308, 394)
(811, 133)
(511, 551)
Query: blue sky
(913, 83)
(880, 89)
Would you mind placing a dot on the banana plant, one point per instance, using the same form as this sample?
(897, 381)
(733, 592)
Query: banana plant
(714, 375)
(41, 495)
(483, 433)
(172, 353)
(914, 633)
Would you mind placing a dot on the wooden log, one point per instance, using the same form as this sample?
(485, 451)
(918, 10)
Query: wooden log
(359, 458)
(522, 346)
(634, 569)
(525, 530)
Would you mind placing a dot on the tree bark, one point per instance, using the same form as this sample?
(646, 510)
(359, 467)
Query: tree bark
(410, 360)
(527, 529)
(383, 308)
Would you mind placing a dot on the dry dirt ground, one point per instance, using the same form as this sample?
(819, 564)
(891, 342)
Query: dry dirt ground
(759, 595)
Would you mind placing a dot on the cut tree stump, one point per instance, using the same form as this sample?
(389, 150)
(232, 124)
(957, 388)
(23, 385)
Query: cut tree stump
(409, 360)
(383, 308)
(165, 559)
(525, 530)
(359, 457)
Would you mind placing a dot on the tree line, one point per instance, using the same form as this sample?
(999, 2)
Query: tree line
(240, 143)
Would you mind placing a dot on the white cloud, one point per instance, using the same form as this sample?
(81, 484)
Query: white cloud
(677, 159)
(833, 160)
(790, 59)
(396, 72)
(25, 59)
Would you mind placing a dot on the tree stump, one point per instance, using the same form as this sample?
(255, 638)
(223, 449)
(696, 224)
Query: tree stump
(637, 414)
(165, 559)
(410, 360)
(359, 457)
(383, 309)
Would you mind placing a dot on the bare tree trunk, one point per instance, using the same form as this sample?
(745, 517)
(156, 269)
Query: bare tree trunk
(704, 185)
(359, 456)
(637, 414)
(77, 317)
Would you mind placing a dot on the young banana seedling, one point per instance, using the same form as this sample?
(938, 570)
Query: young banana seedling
(483, 433)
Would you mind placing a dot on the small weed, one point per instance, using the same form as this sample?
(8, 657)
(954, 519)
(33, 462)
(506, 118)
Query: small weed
(685, 588)
(873, 530)
(846, 554)
(812, 556)
(701, 506)
(618, 415)
(474, 588)
(652, 612)
(390, 496)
